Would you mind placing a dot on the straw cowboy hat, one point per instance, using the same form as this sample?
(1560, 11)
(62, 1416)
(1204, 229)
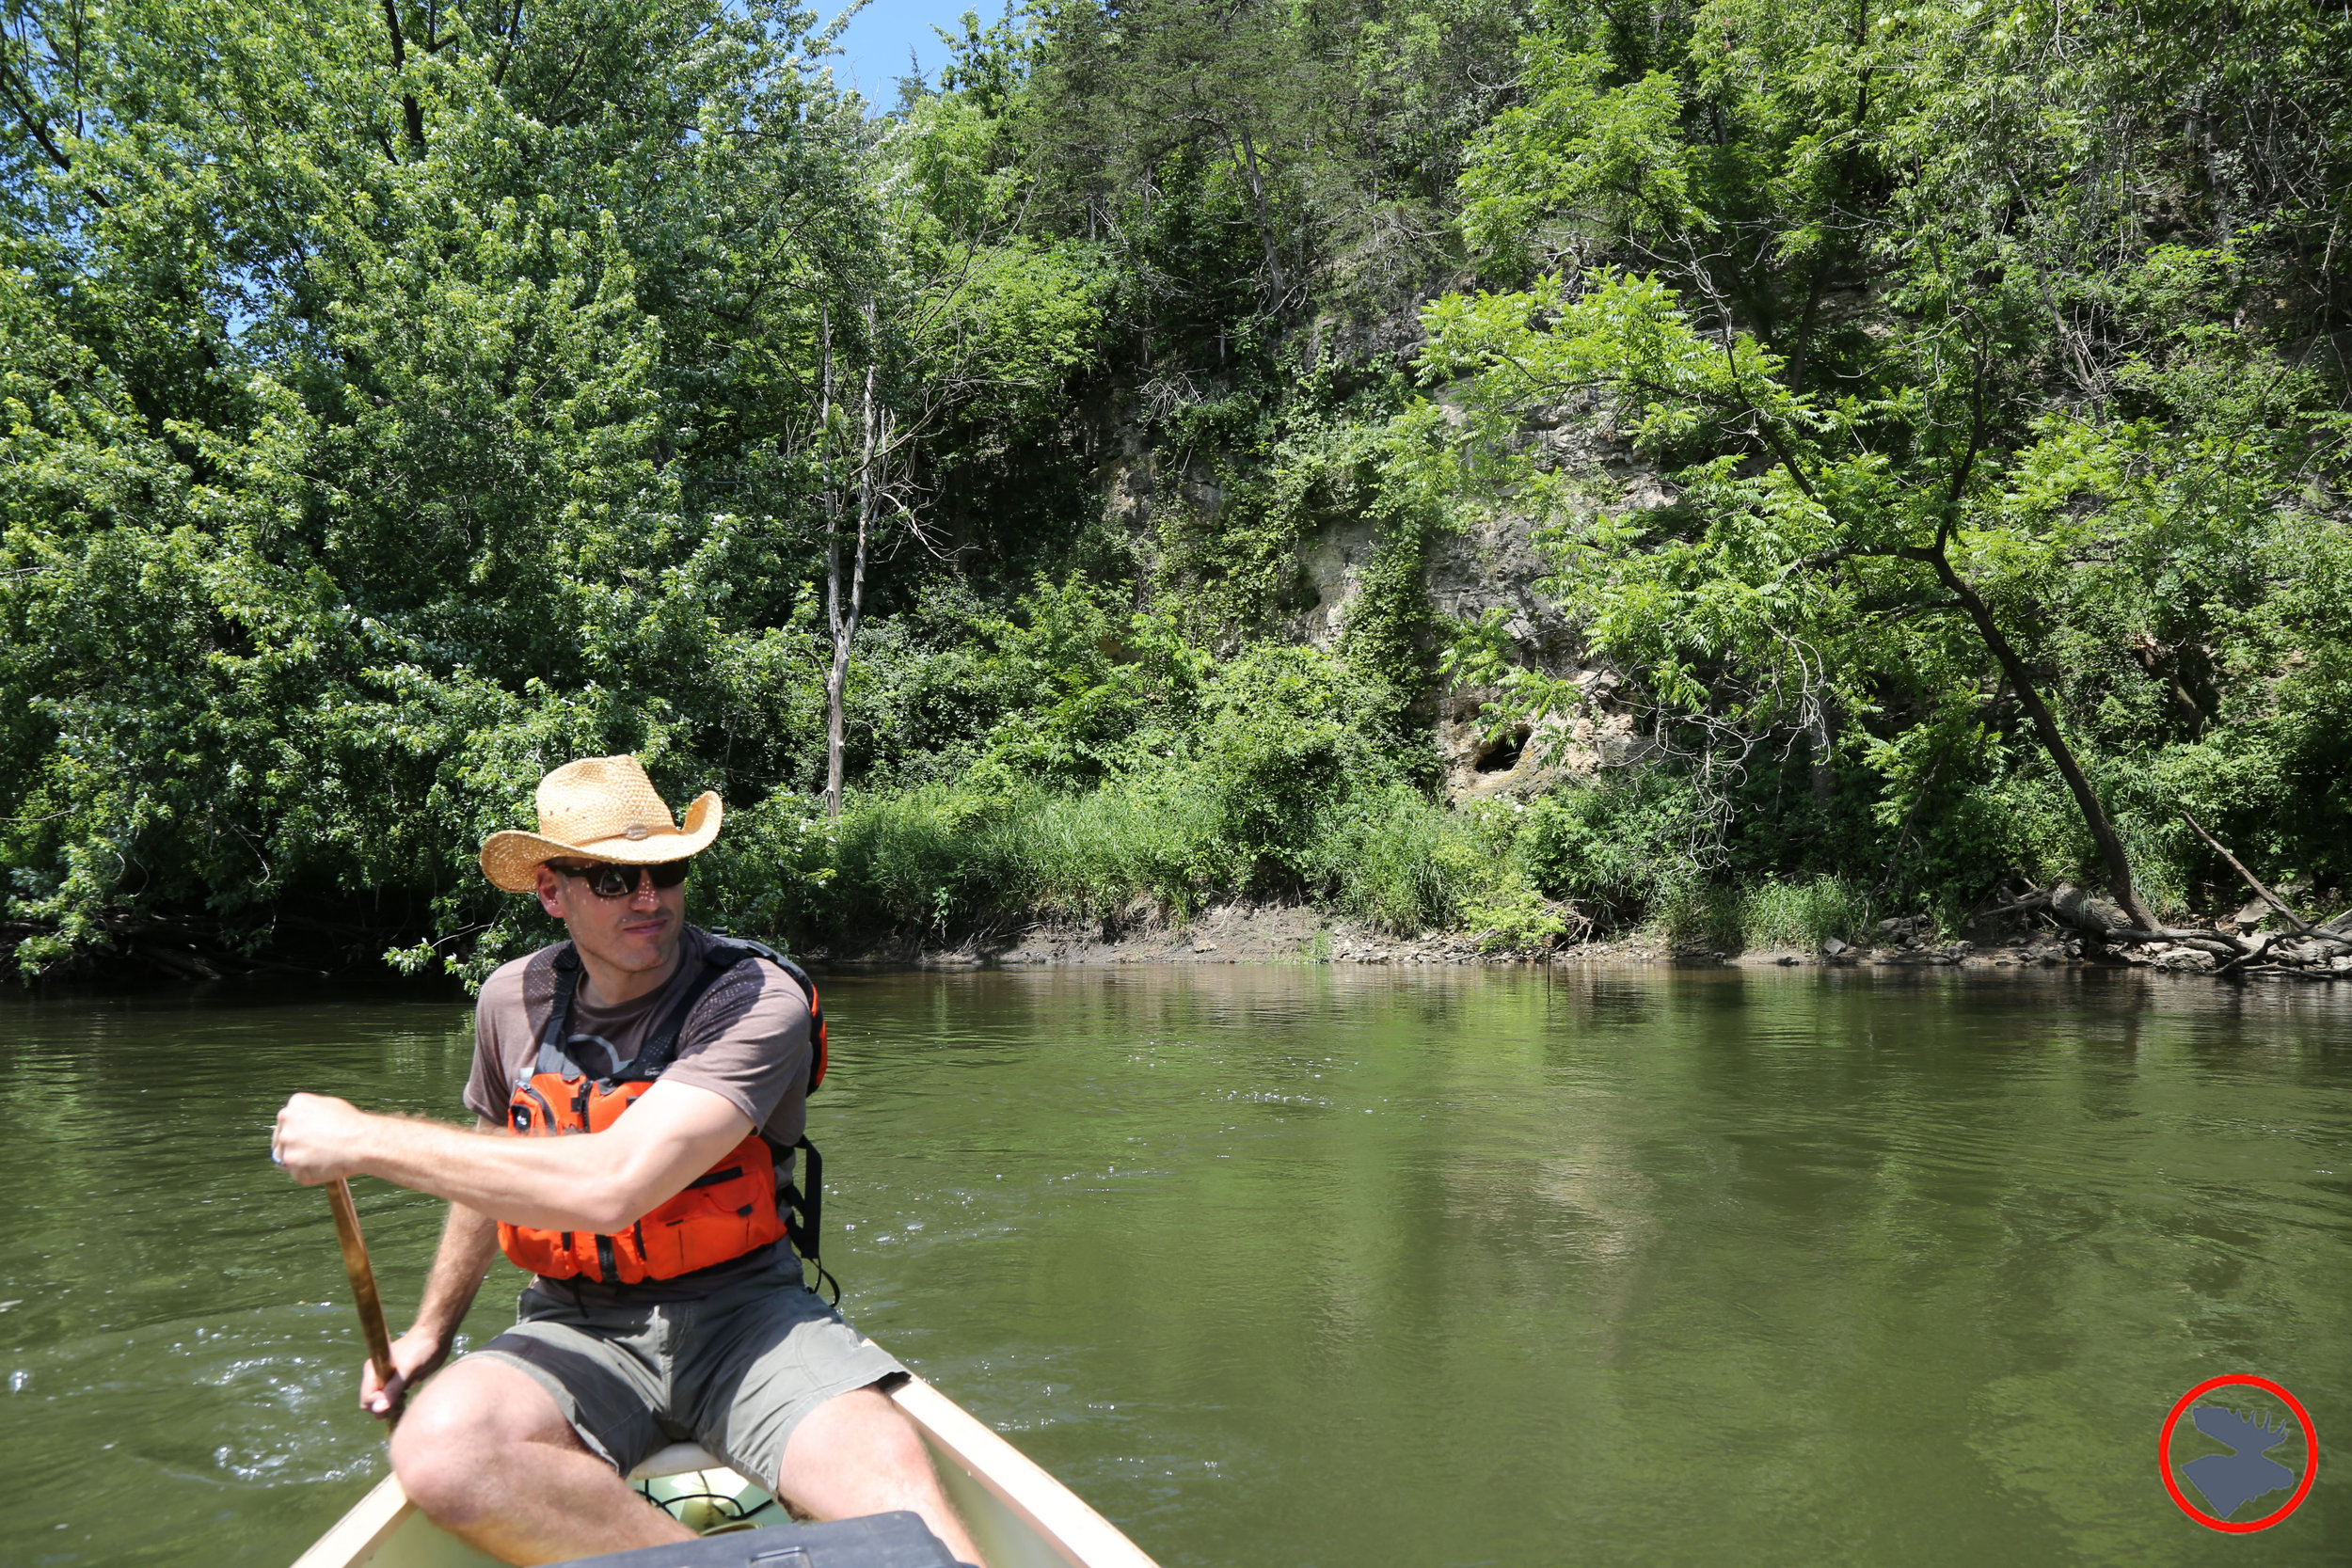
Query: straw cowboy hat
(600, 809)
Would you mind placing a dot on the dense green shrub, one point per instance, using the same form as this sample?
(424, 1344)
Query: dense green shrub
(1618, 843)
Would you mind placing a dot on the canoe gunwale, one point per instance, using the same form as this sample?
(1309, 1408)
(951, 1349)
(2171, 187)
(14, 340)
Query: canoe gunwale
(355, 1537)
(1057, 1516)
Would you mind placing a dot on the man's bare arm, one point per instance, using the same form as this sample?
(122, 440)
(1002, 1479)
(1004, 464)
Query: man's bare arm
(599, 1181)
(468, 1241)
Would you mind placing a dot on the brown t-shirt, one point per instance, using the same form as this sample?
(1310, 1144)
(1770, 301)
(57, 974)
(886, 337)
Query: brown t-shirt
(747, 1041)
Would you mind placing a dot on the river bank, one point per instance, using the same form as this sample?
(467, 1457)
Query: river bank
(1301, 933)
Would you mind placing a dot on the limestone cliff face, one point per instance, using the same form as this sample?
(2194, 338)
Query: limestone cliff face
(1492, 562)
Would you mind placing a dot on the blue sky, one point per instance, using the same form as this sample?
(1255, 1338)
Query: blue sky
(874, 48)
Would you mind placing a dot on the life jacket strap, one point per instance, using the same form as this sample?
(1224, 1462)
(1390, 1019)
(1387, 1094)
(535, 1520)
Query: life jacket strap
(554, 1058)
(805, 1210)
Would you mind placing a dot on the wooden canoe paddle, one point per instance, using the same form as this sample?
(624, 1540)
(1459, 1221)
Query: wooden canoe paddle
(363, 1294)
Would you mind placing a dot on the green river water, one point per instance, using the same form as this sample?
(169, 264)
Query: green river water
(1299, 1266)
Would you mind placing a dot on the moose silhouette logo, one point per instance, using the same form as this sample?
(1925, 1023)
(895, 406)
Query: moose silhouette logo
(2264, 1456)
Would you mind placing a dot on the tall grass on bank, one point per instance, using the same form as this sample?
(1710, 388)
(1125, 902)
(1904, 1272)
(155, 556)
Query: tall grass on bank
(946, 856)
(1690, 915)
(944, 861)
(1395, 862)
(1803, 915)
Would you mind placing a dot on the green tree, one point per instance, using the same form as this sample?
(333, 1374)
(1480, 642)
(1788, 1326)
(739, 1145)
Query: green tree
(398, 399)
(2013, 417)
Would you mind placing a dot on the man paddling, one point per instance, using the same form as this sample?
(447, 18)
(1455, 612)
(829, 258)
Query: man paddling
(666, 1304)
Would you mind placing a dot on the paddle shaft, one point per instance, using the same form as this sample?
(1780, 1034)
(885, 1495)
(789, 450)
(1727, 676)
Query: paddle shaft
(362, 1276)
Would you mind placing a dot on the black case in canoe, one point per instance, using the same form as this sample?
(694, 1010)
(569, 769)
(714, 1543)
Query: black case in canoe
(874, 1541)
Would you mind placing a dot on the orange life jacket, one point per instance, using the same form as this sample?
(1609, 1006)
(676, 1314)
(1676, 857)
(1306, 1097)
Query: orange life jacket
(732, 1208)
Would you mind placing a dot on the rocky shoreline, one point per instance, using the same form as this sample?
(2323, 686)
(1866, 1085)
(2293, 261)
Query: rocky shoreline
(1295, 934)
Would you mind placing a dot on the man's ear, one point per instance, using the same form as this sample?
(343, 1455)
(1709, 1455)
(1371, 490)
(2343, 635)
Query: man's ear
(549, 889)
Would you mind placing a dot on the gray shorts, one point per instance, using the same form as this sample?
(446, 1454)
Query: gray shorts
(734, 1370)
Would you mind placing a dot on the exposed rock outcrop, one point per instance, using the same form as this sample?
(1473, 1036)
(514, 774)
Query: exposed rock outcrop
(1490, 563)
(1493, 563)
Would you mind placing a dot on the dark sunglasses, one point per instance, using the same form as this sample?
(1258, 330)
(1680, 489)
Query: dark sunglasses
(607, 881)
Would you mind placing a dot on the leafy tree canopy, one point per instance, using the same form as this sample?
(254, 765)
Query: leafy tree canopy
(398, 399)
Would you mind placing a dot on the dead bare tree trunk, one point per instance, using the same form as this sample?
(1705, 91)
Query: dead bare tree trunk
(1265, 224)
(1822, 735)
(843, 616)
(830, 498)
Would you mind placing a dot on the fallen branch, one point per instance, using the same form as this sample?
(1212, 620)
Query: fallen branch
(2277, 953)
(2177, 936)
(2247, 960)
(2239, 866)
(2075, 907)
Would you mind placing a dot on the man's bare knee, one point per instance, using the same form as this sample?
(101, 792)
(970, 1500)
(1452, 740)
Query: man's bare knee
(449, 1447)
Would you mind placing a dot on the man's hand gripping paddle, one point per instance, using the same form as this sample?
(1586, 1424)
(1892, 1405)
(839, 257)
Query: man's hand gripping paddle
(363, 1294)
